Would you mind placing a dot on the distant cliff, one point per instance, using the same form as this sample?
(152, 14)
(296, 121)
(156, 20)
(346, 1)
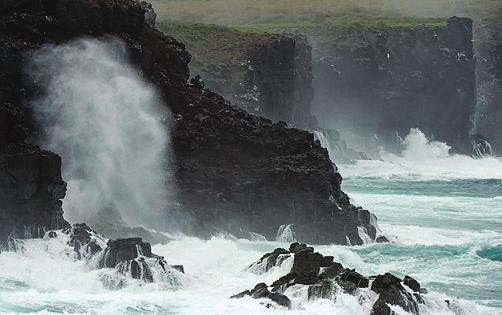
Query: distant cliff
(385, 77)
(488, 46)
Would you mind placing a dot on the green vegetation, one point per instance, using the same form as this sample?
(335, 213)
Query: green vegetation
(301, 12)
(354, 22)
(213, 42)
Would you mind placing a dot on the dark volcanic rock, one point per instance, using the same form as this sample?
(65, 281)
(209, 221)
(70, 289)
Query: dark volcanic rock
(326, 289)
(270, 260)
(130, 257)
(261, 291)
(307, 262)
(31, 189)
(334, 277)
(391, 292)
(388, 80)
(488, 48)
(356, 278)
(411, 283)
(235, 172)
(84, 240)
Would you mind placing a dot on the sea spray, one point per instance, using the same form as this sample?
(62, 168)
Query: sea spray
(109, 126)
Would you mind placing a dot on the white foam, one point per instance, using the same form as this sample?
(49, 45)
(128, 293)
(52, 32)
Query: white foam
(422, 159)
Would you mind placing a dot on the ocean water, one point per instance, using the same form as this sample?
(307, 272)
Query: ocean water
(443, 214)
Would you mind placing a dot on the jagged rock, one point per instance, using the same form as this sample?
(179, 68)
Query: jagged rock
(411, 283)
(292, 278)
(381, 239)
(132, 256)
(327, 261)
(31, 189)
(124, 249)
(356, 278)
(326, 289)
(391, 292)
(270, 260)
(261, 291)
(332, 271)
(331, 279)
(306, 261)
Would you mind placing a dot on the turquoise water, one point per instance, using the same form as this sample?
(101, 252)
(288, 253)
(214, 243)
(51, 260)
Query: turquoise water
(442, 213)
(445, 226)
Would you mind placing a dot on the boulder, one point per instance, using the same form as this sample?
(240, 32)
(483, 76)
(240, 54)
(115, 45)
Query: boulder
(392, 292)
(261, 291)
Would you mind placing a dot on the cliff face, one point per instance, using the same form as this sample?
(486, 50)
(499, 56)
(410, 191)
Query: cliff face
(389, 79)
(488, 119)
(236, 172)
(266, 74)
(30, 180)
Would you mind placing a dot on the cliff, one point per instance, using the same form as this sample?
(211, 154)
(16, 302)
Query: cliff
(264, 73)
(380, 77)
(236, 172)
(488, 47)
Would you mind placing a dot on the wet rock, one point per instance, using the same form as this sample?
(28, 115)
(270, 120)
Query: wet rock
(269, 260)
(332, 271)
(261, 291)
(354, 277)
(381, 239)
(306, 261)
(411, 283)
(85, 241)
(326, 289)
(31, 188)
(327, 261)
(392, 292)
(326, 282)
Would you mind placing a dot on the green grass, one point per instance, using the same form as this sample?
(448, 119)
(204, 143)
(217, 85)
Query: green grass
(276, 12)
(352, 22)
(213, 42)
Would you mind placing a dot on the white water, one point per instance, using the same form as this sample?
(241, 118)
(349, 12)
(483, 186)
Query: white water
(105, 122)
(286, 234)
(423, 159)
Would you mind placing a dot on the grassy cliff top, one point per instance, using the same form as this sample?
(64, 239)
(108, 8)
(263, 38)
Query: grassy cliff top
(273, 12)
(350, 22)
(213, 42)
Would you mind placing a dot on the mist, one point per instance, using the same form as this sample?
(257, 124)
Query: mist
(110, 128)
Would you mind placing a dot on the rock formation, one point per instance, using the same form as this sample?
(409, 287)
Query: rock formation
(130, 257)
(268, 74)
(488, 46)
(385, 79)
(326, 279)
(236, 172)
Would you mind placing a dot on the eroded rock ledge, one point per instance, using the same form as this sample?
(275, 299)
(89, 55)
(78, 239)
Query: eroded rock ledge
(235, 172)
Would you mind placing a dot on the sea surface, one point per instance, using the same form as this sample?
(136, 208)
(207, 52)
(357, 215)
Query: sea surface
(442, 213)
